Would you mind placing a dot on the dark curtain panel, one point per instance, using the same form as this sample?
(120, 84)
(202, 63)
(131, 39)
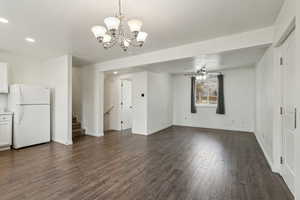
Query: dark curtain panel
(193, 104)
(221, 103)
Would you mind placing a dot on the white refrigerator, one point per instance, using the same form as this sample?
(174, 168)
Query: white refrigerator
(31, 108)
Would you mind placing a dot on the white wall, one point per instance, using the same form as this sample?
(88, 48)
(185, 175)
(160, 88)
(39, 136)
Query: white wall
(160, 102)
(239, 89)
(92, 101)
(150, 113)
(112, 98)
(21, 70)
(54, 73)
(76, 91)
(57, 74)
(265, 103)
(140, 109)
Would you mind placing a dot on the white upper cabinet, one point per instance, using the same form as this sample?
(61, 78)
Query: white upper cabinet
(3, 78)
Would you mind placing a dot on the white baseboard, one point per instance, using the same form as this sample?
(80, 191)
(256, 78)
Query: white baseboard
(160, 129)
(216, 128)
(95, 134)
(145, 134)
(4, 148)
(62, 142)
(290, 176)
(269, 160)
(153, 132)
(69, 142)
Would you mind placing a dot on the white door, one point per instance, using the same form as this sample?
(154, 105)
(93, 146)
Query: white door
(126, 104)
(31, 125)
(289, 112)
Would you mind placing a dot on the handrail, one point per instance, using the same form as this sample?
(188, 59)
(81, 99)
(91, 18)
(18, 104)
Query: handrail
(109, 110)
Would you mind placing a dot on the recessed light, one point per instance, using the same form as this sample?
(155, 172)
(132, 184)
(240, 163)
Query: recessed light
(115, 72)
(3, 20)
(28, 39)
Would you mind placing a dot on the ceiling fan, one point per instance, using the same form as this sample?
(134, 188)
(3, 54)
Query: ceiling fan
(200, 74)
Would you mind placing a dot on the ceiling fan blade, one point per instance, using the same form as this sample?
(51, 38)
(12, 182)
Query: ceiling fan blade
(191, 74)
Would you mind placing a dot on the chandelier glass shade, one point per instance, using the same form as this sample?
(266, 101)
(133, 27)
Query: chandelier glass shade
(116, 32)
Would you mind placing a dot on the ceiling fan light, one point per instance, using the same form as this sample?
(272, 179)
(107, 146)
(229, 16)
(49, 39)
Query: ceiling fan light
(135, 25)
(141, 37)
(106, 38)
(126, 43)
(98, 31)
(112, 23)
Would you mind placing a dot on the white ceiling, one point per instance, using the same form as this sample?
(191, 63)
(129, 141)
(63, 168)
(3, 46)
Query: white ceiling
(63, 26)
(216, 62)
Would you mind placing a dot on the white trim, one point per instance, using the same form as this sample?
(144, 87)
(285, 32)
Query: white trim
(269, 160)
(277, 118)
(145, 134)
(215, 128)
(206, 105)
(69, 142)
(5, 148)
(160, 129)
(95, 134)
(290, 27)
(153, 132)
(62, 142)
(70, 101)
(290, 175)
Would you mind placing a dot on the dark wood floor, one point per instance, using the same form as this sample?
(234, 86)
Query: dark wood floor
(178, 163)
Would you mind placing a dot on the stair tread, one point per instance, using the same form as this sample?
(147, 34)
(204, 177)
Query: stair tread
(77, 130)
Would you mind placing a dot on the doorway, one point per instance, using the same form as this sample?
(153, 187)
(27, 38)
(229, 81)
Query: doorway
(117, 103)
(126, 105)
(288, 108)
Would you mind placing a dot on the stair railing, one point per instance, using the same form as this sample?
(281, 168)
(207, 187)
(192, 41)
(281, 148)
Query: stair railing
(109, 110)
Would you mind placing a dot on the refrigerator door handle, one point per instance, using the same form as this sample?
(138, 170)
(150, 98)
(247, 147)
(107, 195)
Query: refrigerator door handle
(21, 95)
(21, 114)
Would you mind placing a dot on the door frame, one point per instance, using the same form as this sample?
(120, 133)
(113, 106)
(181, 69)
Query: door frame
(280, 153)
(277, 118)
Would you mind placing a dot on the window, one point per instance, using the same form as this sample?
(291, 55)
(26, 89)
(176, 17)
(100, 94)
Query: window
(207, 91)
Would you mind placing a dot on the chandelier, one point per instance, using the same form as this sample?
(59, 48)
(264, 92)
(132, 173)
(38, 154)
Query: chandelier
(116, 32)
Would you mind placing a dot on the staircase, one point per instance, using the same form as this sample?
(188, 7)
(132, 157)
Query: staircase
(76, 127)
